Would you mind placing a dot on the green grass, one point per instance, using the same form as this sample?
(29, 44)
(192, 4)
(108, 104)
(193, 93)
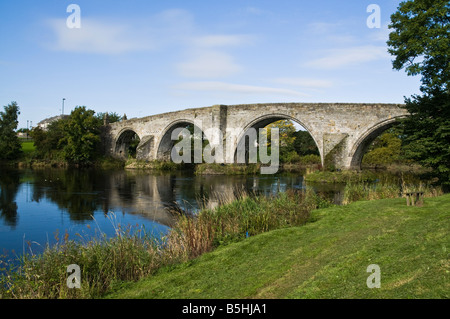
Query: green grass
(28, 147)
(326, 258)
(227, 169)
(340, 176)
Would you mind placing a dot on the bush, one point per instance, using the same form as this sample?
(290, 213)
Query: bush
(310, 159)
(290, 157)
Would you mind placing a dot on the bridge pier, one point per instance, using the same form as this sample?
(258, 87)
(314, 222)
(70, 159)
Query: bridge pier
(335, 148)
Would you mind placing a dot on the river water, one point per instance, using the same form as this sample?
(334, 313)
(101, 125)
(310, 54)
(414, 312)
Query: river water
(38, 207)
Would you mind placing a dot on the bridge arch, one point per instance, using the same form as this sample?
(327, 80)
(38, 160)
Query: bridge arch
(125, 143)
(267, 119)
(364, 141)
(166, 143)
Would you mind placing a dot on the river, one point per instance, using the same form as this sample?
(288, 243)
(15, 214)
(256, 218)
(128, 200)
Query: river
(38, 207)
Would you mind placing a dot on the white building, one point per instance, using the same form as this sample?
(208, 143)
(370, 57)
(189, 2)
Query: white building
(45, 123)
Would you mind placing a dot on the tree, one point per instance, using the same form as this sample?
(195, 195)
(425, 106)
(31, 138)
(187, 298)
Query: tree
(10, 147)
(386, 149)
(50, 143)
(112, 117)
(82, 136)
(286, 132)
(427, 133)
(304, 144)
(420, 43)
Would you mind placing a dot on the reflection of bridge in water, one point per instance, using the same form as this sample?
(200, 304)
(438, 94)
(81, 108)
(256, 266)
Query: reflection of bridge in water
(83, 193)
(154, 196)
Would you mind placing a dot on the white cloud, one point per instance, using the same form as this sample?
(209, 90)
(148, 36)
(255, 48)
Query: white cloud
(207, 56)
(96, 37)
(254, 10)
(209, 64)
(115, 36)
(305, 82)
(323, 27)
(223, 40)
(338, 58)
(241, 89)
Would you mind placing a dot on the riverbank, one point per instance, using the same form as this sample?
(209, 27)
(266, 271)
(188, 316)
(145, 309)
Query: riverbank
(215, 169)
(114, 265)
(34, 163)
(367, 174)
(326, 258)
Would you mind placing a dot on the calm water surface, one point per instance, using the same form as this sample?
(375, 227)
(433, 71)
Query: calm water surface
(37, 206)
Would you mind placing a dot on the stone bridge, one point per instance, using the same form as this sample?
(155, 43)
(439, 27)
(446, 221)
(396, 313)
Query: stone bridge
(342, 131)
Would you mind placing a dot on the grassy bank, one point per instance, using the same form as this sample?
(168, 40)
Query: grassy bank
(27, 147)
(345, 176)
(228, 169)
(326, 258)
(360, 176)
(156, 165)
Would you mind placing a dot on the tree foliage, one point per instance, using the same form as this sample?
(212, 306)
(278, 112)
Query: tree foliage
(304, 144)
(49, 144)
(295, 146)
(385, 150)
(420, 43)
(427, 133)
(286, 132)
(74, 139)
(112, 117)
(82, 135)
(10, 147)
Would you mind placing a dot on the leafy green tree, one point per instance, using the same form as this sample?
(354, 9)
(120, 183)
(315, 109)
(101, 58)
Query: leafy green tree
(420, 43)
(304, 144)
(428, 135)
(50, 143)
(82, 136)
(286, 132)
(385, 150)
(293, 144)
(111, 116)
(10, 147)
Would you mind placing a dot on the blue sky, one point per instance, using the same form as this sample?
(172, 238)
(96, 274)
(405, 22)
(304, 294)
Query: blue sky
(143, 57)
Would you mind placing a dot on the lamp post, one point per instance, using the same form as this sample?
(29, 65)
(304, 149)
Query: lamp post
(63, 106)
